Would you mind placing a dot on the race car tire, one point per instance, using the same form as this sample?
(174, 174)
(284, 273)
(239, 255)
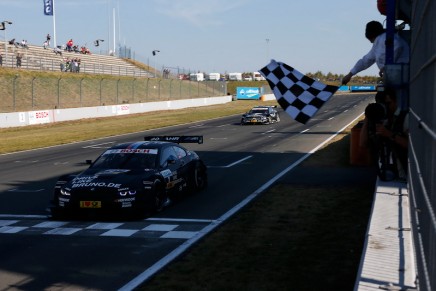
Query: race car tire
(200, 178)
(159, 195)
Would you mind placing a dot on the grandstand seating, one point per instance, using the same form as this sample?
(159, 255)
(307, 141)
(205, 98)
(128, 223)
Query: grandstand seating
(40, 59)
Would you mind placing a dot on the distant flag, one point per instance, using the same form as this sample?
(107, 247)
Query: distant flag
(48, 7)
(299, 95)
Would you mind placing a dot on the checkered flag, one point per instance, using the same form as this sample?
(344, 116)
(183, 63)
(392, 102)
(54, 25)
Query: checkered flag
(300, 96)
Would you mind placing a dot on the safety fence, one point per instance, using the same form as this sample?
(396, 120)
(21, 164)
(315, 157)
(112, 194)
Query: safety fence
(24, 92)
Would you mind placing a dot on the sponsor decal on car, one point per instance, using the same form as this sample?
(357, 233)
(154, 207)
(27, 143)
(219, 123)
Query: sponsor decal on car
(96, 184)
(131, 151)
(166, 173)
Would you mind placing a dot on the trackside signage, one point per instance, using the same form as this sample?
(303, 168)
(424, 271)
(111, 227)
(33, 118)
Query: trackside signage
(362, 88)
(39, 117)
(122, 109)
(248, 93)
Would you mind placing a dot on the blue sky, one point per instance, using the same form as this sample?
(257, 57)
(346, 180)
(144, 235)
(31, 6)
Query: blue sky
(207, 35)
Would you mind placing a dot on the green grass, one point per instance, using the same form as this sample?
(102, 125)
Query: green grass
(30, 137)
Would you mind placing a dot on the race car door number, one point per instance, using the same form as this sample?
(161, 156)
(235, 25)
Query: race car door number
(90, 204)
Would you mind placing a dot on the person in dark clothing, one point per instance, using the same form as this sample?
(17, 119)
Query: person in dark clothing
(386, 132)
(396, 131)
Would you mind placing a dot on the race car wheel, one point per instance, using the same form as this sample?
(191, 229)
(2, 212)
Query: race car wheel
(200, 177)
(159, 195)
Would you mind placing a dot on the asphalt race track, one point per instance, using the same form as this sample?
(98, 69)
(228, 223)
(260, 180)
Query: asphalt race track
(37, 253)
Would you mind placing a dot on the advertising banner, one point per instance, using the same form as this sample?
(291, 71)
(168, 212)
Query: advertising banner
(248, 93)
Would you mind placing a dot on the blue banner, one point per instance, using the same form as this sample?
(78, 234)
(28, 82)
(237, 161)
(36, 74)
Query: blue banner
(48, 7)
(248, 93)
(362, 88)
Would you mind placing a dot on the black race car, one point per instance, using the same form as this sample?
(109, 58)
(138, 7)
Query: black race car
(132, 178)
(261, 115)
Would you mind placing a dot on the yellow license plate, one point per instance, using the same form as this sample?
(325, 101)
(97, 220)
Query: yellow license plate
(90, 204)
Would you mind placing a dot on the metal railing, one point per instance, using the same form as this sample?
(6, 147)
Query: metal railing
(422, 144)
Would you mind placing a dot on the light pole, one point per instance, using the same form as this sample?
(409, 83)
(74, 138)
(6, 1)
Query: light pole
(267, 47)
(6, 47)
(97, 42)
(154, 53)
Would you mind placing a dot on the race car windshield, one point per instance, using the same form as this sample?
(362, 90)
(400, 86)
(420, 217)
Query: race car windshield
(125, 161)
(261, 111)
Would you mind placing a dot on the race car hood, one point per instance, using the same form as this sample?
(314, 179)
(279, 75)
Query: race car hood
(109, 178)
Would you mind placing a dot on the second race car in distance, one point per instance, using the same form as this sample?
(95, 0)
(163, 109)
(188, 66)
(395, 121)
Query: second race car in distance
(261, 115)
(136, 178)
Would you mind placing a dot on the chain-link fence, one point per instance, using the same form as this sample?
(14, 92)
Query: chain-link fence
(24, 92)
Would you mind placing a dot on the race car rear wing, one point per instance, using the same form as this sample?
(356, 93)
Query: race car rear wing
(176, 138)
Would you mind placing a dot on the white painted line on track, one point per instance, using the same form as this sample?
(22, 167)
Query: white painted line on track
(217, 138)
(119, 232)
(232, 164)
(160, 227)
(269, 131)
(63, 231)
(187, 244)
(51, 224)
(197, 125)
(99, 145)
(22, 216)
(179, 219)
(10, 229)
(25, 191)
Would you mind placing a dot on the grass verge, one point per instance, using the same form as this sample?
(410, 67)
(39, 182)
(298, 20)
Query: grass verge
(31, 137)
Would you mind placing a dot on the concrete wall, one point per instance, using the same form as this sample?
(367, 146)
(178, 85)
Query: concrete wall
(16, 119)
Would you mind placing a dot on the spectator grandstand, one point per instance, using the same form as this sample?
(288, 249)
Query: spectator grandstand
(39, 59)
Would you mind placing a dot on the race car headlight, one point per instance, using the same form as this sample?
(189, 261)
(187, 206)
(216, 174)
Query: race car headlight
(127, 192)
(65, 192)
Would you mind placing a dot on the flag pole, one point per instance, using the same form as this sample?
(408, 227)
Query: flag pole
(54, 26)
